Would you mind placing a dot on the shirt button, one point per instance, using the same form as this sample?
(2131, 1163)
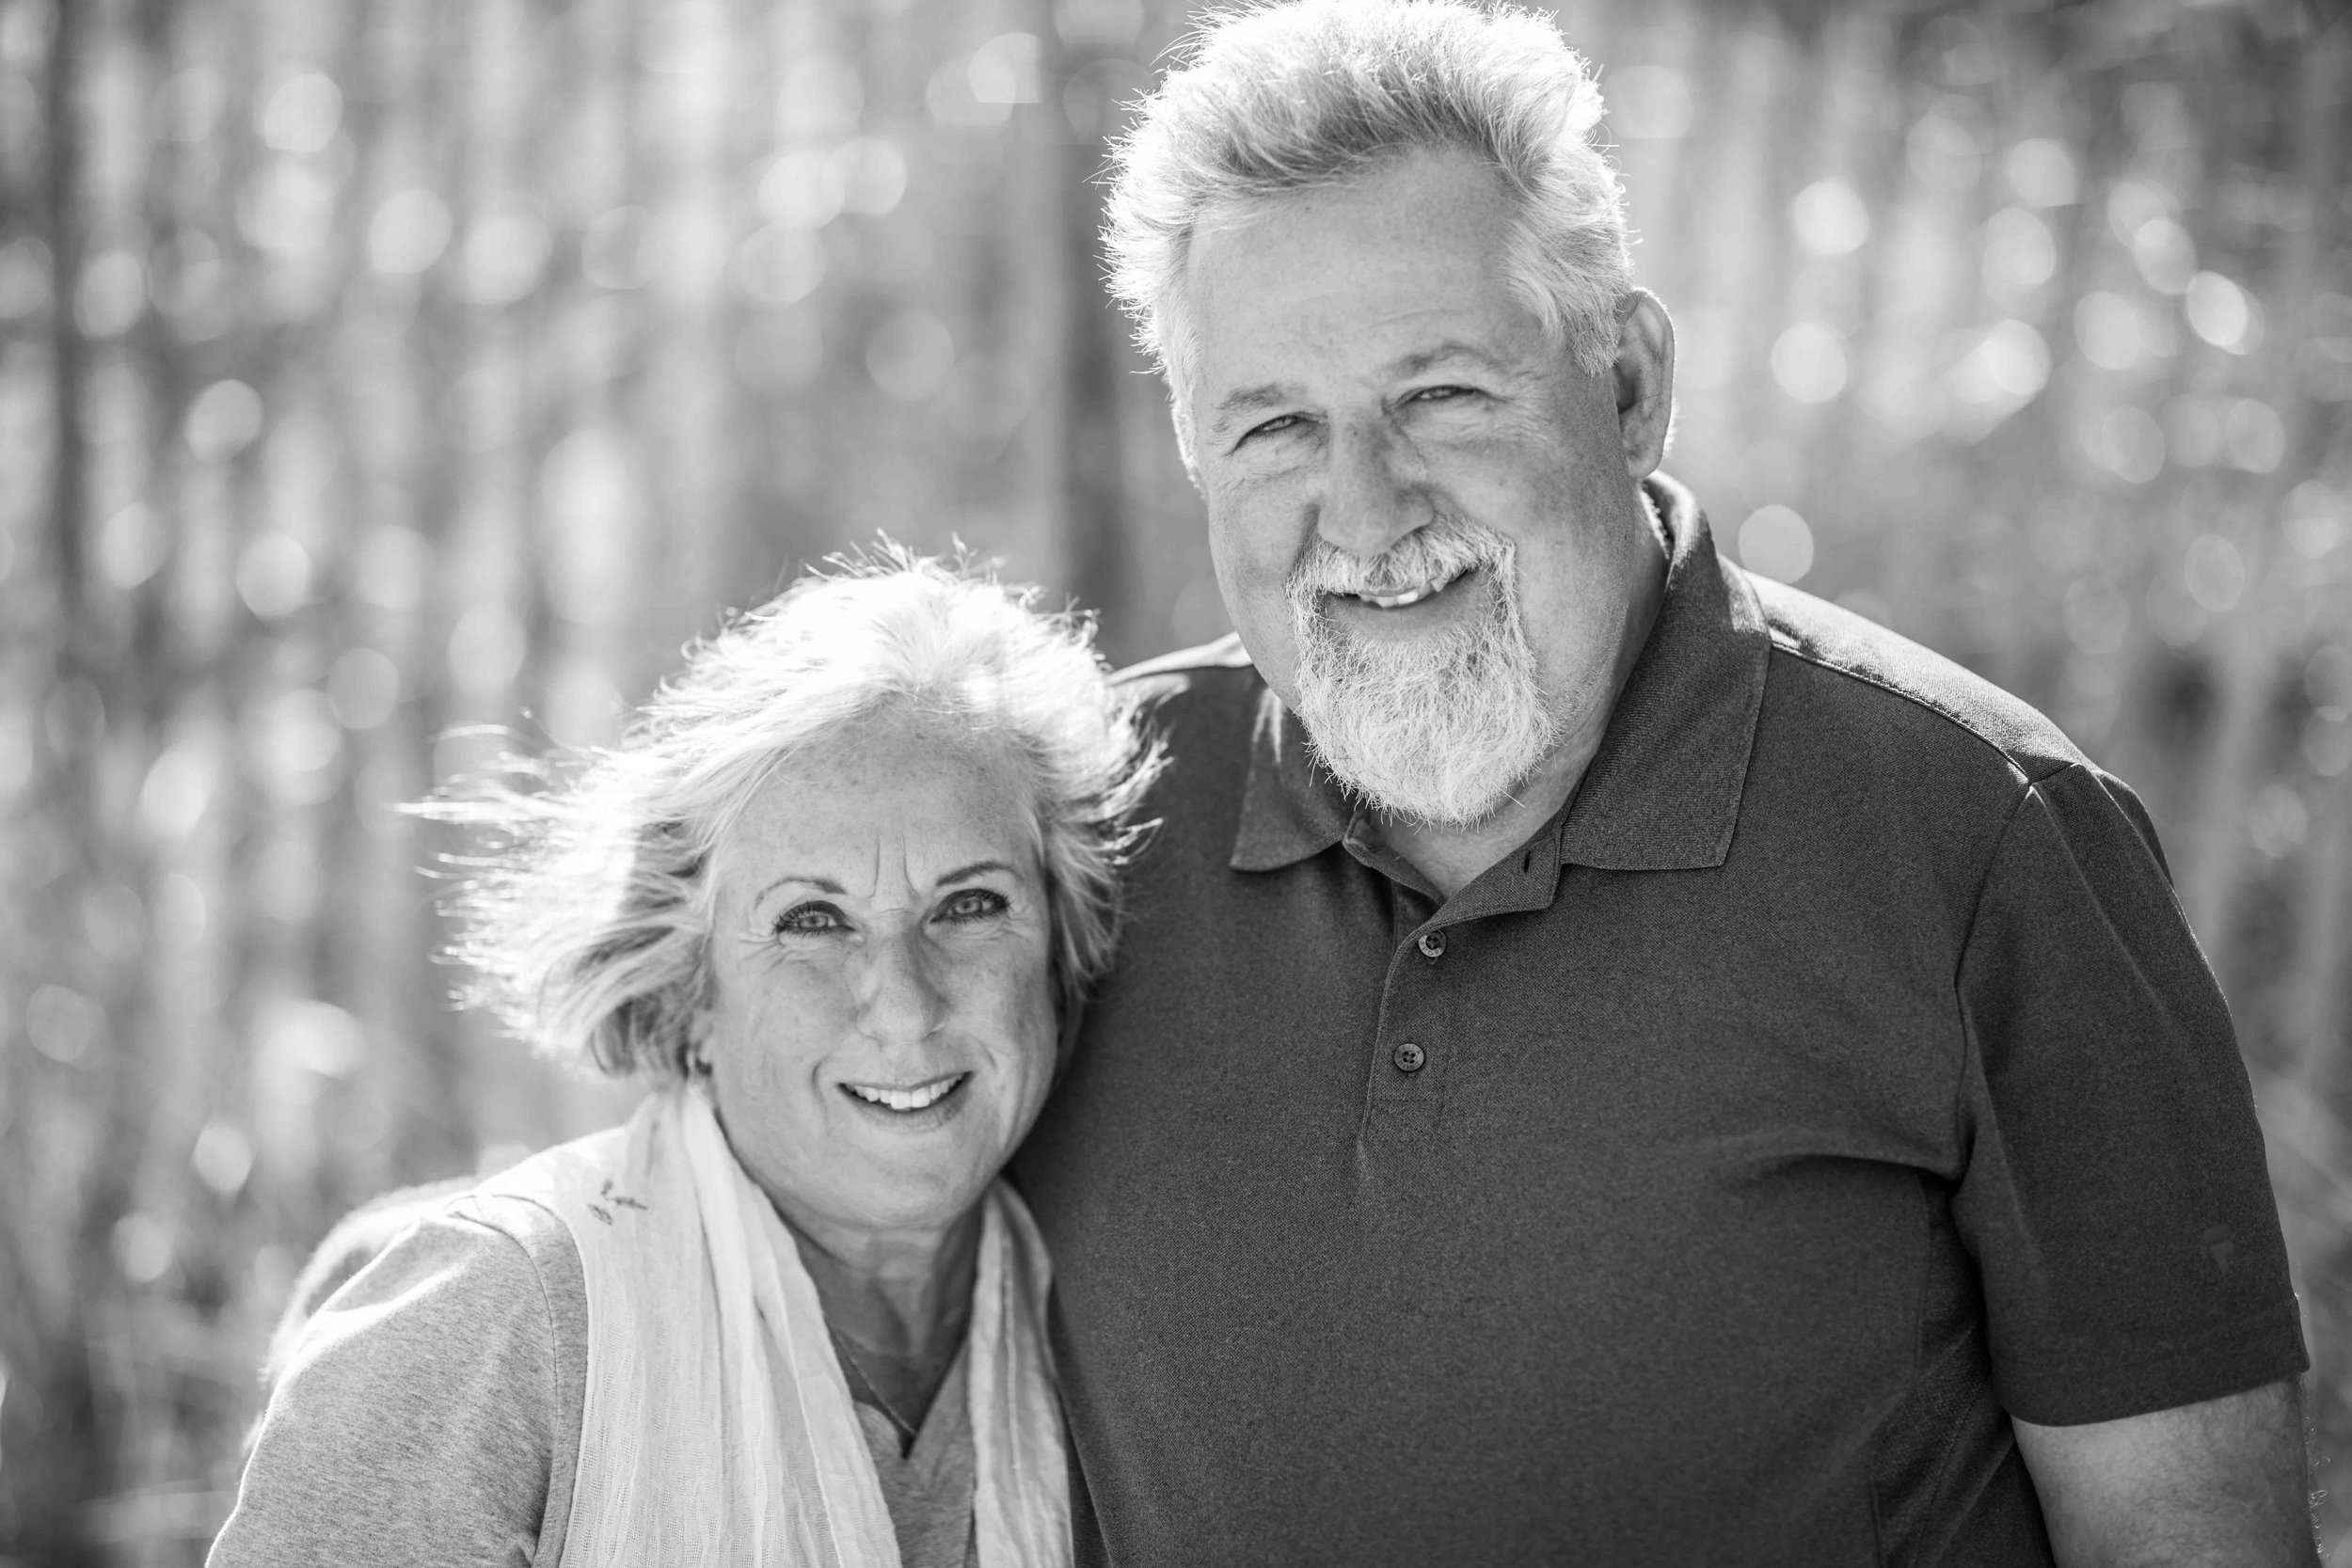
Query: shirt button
(1432, 945)
(1408, 1057)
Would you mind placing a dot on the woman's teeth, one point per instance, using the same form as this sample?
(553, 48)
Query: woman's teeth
(915, 1099)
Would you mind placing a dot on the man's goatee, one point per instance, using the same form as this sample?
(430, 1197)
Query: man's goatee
(1439, 730)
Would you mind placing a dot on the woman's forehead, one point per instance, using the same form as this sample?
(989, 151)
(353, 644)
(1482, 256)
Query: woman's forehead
(886, 800)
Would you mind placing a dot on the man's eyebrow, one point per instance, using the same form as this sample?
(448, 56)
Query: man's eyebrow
(1439, 353)
(1249, 400)
(1270, 394)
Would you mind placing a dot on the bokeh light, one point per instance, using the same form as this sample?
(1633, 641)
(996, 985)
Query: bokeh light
(388, 389)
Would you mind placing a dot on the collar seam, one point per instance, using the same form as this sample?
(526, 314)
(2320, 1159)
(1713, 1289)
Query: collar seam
(1785, 644)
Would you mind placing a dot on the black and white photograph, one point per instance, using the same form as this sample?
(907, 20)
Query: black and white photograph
(1052, 783)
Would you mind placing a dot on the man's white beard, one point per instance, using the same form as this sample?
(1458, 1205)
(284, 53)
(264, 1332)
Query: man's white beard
(1438, 730)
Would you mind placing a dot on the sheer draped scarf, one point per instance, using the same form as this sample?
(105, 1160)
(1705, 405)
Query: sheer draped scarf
(717, 1428)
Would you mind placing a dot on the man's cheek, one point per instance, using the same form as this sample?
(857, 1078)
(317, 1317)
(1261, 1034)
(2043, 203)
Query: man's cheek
(1252, 570)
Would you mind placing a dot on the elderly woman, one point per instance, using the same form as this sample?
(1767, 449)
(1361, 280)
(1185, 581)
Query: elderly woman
(832, 897)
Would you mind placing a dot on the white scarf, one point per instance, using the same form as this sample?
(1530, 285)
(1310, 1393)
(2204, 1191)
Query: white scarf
(717, 1428)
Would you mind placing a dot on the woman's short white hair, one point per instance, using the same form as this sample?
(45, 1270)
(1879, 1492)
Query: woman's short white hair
(586, 921)
(1288, 97)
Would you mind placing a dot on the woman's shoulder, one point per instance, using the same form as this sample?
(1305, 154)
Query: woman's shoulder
(469, 1323)
(481, 1291)
(484, 1218)
(474, 1258)
(458, 1239)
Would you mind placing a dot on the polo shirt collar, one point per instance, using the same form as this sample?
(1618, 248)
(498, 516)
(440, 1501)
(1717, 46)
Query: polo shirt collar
(1292, 808)
(1661, 793)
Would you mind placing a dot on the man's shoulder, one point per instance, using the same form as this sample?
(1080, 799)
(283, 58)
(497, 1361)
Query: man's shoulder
(1194, 693)
(1850, 667)
(1203, 705)
(1179, 671)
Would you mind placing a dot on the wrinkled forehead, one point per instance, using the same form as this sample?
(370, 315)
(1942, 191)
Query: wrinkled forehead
(1421, 246)
(884, 799)
(1385, 201)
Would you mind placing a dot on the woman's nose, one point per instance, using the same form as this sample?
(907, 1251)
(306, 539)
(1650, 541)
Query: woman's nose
(898, 997)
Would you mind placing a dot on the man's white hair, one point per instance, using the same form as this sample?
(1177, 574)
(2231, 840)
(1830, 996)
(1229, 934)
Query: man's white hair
(1289, 97)
(586, 916)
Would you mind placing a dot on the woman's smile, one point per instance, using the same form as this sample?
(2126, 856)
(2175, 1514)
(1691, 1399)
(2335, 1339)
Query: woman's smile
(923, 1105)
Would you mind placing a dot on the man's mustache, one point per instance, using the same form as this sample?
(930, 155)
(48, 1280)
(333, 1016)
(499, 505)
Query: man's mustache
(1445, 547)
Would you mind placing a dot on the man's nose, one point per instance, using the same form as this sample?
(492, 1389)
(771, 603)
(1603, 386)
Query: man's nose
(1372, 498)
(899, 1001)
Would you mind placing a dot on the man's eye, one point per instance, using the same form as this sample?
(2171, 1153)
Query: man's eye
(1440, 394)
(1275, 426)
(809, 920)
(974, 903)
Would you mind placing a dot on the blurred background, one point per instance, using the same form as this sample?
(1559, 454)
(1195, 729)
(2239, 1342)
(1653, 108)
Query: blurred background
(373, 371)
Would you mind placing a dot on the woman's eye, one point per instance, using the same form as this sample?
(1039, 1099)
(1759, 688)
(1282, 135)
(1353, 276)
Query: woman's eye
(976, 903)
(809, 920)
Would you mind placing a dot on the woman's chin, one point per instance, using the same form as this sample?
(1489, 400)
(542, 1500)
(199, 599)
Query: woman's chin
(900, 1180)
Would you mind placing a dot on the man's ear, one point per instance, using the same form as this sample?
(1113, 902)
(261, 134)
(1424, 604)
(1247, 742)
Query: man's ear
(1179, 417)
(1645, 374)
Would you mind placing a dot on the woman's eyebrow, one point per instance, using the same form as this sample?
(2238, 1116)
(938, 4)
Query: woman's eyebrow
(822, 884)
(961, 872)
(826, 884)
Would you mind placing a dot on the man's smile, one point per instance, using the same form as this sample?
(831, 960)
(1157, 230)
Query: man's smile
(1411, 610)
(1404, 596)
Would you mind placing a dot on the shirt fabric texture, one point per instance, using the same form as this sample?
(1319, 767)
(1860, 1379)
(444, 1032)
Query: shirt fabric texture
(433, 1405)
(1708, 1180)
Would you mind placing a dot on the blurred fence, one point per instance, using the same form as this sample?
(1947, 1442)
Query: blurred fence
(374, 369)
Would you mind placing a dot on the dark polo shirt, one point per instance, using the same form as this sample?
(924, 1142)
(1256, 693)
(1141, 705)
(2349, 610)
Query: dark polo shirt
(1705, 1182)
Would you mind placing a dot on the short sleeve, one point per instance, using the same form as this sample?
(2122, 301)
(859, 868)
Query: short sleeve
(2115, 1192)
(418, 1418)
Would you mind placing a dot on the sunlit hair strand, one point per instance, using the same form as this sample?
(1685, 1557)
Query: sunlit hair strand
(586, 917)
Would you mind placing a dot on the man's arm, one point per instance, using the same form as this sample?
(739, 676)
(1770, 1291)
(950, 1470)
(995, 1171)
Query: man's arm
(2218, 1484)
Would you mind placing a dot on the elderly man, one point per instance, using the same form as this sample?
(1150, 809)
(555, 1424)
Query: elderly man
(1614, 1061)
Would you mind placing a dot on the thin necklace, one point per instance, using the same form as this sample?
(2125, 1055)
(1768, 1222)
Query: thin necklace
(857, 1369)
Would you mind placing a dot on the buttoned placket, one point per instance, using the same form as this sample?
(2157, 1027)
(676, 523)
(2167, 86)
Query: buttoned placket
(1418, 1035)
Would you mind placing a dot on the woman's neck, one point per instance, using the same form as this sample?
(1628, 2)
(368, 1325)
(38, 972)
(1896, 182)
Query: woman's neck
(905, 1295)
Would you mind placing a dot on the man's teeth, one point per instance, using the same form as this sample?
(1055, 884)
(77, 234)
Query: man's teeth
(1411, 596)
(907, 1099)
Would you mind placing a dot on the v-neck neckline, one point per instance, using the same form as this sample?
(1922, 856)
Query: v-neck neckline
(919, 1442)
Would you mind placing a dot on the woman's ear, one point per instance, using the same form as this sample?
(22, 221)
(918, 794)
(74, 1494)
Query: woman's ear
(1068, 1013)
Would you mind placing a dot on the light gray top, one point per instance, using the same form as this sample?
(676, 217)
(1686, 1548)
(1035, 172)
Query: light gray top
(432, 1408)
